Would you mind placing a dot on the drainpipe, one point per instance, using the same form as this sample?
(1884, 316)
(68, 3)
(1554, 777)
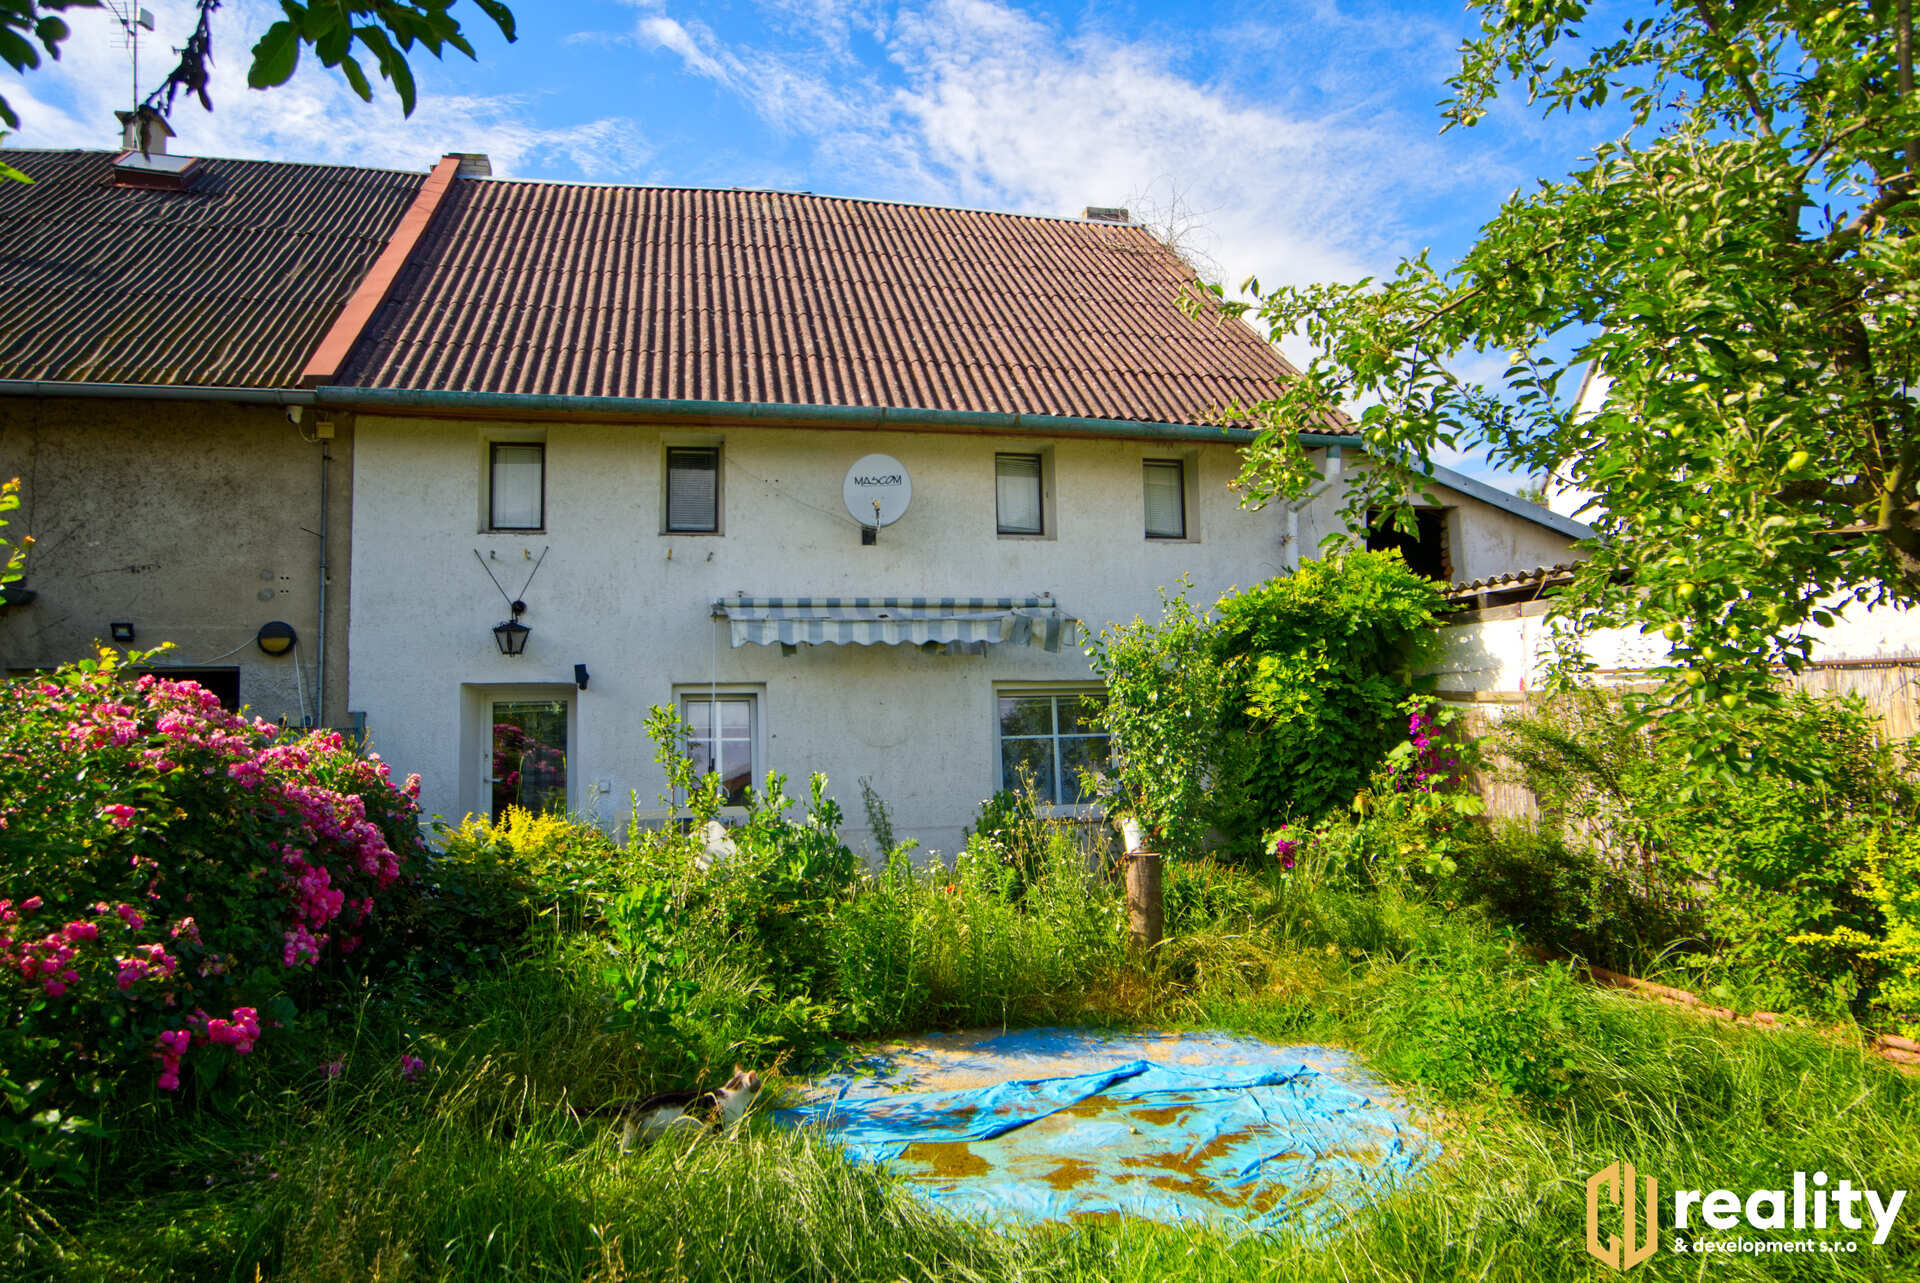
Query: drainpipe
(320, 677)
(1297, 506)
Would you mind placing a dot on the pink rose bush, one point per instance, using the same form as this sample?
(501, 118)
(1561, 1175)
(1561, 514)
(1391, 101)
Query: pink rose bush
(179, 884)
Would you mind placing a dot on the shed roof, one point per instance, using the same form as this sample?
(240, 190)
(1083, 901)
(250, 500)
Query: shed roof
(788, 298)
(228, 283)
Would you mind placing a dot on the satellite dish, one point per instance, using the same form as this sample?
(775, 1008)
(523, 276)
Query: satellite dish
(877, 490)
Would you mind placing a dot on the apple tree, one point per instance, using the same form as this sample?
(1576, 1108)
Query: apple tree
(1738, 265)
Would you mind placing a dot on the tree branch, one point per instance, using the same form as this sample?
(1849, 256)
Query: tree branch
(1903, 38)
(1761, 115)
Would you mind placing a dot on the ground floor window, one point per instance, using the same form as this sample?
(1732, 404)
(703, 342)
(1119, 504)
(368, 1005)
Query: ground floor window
(1049, 737)
(724, 727)
(529, 755)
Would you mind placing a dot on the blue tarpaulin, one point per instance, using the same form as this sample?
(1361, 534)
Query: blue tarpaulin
(1047, 1124)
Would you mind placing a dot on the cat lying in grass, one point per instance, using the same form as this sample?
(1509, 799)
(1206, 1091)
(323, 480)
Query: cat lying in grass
(650, 1118)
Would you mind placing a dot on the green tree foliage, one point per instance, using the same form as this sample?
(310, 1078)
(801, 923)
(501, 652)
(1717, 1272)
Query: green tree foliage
(1738, 263)
(384, 30)
(1167, 700)
(1320, 662)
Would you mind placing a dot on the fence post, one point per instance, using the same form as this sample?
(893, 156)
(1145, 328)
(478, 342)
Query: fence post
(1146, 913)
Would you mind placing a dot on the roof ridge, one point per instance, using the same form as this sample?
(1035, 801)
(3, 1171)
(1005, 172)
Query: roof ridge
(897, 202)
(234, 160)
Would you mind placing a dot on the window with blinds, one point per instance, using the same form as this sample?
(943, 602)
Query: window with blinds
(517, 486)
(1016, 480)
(1166, 494)
(693, 491)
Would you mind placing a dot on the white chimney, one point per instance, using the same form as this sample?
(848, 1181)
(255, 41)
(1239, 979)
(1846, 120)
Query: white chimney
(134, 123)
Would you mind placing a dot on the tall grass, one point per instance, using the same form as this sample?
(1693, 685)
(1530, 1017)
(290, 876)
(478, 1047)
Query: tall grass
(491, 1165)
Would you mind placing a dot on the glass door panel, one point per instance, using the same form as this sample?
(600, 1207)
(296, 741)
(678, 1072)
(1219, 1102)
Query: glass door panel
(529, 756)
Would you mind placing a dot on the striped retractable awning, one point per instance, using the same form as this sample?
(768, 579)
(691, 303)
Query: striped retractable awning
(894, 621)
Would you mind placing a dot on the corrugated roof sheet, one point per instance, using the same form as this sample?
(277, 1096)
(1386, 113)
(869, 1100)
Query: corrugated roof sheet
(229, 283)
(666, 293)
(1536, 578)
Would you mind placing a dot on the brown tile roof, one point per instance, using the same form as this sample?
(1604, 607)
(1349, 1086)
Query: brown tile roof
(229, 283)
(667, 293)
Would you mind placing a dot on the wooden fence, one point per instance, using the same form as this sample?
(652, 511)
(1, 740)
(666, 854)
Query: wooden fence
(1890, 688)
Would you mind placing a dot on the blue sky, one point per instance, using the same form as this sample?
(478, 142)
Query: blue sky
(1293, 141)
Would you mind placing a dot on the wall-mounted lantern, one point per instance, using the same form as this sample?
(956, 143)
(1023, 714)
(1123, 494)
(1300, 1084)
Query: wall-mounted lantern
(276, 638)
(511, 634)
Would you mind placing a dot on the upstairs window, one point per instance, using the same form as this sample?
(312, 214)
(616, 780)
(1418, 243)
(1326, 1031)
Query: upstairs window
(1017, 494)
(693, 491)
(1166, 494)
(517, 486)
(1425, 549)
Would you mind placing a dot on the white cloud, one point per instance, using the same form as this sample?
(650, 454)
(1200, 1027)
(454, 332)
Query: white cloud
(313, 117)
(664, 33)
(985, 105)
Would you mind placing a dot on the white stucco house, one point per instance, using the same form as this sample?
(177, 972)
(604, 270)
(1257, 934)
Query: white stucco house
(637, 412)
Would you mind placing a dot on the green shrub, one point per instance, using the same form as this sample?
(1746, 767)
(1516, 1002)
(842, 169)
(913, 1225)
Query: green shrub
(1569, 899)
(490, 879)
(181, 885)
(1320, 662)
(1771, 865)
(771, 898)
(1010, 825)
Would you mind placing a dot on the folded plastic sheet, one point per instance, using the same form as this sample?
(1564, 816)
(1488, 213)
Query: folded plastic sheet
(1048, 1124)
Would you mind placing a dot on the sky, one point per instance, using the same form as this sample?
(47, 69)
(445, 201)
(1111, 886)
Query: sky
(1291, 142)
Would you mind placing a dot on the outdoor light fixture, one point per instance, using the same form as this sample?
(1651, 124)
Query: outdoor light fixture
(580, 676)
(121, 630)
(276, 638)
(511, 634)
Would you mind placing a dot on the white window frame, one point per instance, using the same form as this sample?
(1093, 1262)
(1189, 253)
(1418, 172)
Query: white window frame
(1058, 690)
(756, 695)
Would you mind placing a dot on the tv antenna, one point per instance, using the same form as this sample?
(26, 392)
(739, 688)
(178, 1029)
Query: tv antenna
(133, 19)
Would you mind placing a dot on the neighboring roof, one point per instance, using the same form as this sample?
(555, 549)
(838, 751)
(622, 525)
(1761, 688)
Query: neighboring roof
(1506, 501)
(676, 294)
(1528, 582)
(230, 282)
